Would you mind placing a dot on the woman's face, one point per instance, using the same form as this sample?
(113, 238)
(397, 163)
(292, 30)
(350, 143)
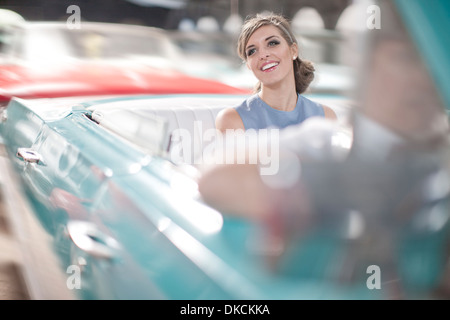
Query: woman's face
(269, 56)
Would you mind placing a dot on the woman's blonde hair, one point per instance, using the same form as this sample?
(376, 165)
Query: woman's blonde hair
(303, 69)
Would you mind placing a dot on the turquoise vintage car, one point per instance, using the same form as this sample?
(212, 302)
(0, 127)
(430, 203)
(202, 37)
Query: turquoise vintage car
(123, 211)
(113, 184)
(118, 196)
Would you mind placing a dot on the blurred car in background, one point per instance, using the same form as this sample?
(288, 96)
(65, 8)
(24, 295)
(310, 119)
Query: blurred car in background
(48, 59)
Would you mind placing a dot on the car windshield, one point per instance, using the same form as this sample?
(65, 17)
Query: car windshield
(194, 43)
(50, 43)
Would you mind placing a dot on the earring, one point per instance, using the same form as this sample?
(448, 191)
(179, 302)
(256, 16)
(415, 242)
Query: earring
(294, 57)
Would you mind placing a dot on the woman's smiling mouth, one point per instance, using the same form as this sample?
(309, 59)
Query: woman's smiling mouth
(269, 66)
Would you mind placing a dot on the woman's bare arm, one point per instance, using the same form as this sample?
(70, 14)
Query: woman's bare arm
(329, 113)
(229, 119)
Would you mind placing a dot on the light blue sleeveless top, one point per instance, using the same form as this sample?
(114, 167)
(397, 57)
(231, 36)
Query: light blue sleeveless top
(256, 114)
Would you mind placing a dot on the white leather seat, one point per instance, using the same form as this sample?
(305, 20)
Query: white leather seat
(187, 119)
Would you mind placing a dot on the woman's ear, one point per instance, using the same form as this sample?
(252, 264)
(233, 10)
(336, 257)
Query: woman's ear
(294, 51)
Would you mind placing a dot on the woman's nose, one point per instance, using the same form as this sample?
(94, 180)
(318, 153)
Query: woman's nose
(263, 54)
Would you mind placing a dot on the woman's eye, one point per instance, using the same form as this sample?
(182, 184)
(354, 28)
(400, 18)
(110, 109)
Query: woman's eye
(273, 43)
(250, 52)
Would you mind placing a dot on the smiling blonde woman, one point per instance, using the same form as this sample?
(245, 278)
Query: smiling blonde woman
(269, 48)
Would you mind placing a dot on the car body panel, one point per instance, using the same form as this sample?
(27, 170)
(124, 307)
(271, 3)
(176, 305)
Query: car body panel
(428, 38)
(80, 79)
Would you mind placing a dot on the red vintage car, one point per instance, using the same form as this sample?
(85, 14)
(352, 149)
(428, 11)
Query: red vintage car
(49, 59)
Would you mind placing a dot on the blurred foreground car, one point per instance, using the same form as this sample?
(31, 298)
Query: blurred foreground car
(47, 59)
(118, 197)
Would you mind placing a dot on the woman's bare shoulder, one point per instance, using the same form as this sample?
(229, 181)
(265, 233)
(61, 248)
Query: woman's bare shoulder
(229, 118)
(329, 112)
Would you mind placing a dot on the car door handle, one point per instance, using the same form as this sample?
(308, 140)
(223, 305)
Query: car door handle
(29, 155)
(87, 237)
